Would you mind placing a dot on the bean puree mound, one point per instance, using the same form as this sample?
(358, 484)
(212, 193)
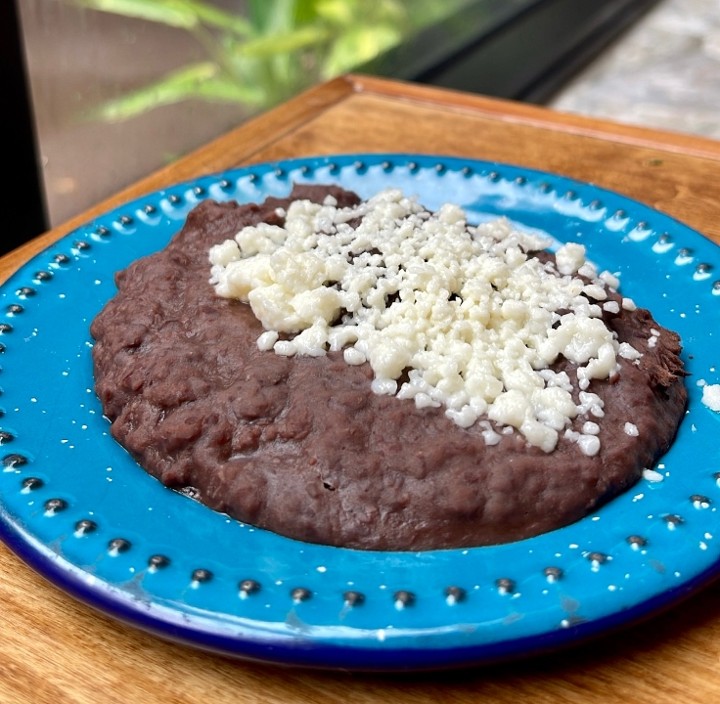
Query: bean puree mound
(302, 445)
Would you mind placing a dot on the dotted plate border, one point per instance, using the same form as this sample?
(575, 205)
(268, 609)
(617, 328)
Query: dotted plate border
(77, 508)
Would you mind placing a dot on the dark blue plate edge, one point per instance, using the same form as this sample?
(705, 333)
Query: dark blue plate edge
(292, 652)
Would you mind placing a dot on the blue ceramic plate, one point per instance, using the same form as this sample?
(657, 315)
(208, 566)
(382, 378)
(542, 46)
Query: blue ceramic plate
(80, 511)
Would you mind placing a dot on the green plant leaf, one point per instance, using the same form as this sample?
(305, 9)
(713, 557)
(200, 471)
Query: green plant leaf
(196, 81)
(168, 12)
(214, 17)
(348, 14)
(358, 46)
(269, 16)
(284, 43)
(266, 50)
(306, 11)
(225, 89)
(338, 12)
(183, 14)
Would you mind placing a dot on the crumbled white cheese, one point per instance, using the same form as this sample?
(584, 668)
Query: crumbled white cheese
(627, 351)
(589, 444)
(711, 396)
(651, 475)
(267, 340)
(463, 315)
(631, 429)
(628, 304)
(569, 258)
(610, 280)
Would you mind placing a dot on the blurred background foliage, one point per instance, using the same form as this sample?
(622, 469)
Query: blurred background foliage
(258, 53)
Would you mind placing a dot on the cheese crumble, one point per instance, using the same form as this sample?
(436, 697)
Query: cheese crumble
(711, 396)
(449, 315)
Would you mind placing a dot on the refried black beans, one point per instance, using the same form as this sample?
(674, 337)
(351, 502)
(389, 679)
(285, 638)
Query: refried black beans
(303, 447)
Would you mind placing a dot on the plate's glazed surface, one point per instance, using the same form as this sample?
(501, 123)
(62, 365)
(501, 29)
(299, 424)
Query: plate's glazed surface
(81, 512)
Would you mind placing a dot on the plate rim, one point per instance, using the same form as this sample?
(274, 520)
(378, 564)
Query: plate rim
(52, 569)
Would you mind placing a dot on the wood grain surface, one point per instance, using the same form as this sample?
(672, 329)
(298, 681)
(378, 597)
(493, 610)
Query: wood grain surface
(56, 649)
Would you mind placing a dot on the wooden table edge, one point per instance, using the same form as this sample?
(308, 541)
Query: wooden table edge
(539, 116)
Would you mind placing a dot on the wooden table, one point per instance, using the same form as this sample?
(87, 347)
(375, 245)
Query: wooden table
(54, 649)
